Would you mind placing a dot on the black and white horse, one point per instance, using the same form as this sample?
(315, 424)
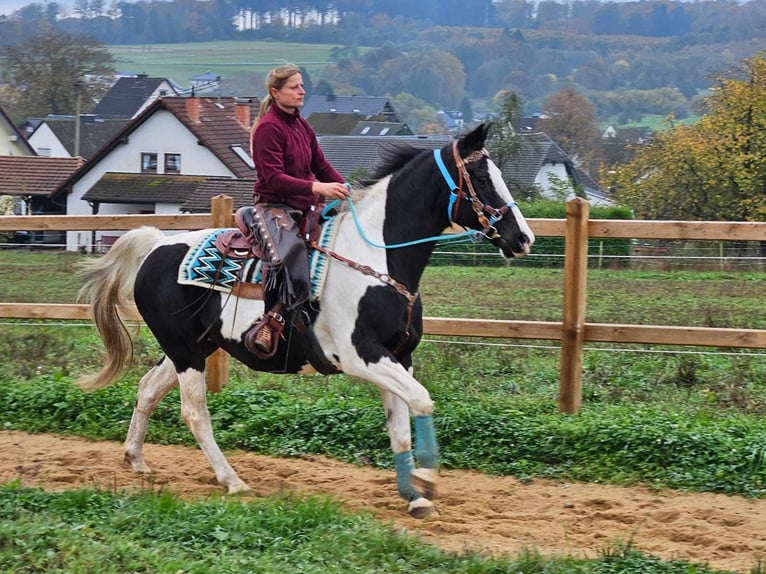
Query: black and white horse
(367, 319)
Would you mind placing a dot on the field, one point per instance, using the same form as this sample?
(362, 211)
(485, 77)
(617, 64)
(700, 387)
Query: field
(181, 62)
(677, 434)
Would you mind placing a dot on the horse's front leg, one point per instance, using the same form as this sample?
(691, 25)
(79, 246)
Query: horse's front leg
(197, 417)
(391, 377)
(153, 386)
(400, 435)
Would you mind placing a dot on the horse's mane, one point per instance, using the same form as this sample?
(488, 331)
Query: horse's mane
(394, 157)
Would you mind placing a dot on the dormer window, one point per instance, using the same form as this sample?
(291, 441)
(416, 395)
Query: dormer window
(148, 162)
(172, 163)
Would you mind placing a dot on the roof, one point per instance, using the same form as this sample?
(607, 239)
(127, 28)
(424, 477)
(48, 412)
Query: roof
(142, 188)
(126, 96)
(213, 121)
(372, 128)
(94, 133)
(193, 192)
(240, 190)
(536, 149)
(365, 106)
(350, 153)
(35, 175)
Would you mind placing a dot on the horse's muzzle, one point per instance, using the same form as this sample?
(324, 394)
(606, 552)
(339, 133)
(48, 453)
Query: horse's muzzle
(518, 247)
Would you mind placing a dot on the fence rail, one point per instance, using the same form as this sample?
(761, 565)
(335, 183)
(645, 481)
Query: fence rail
(572, 331)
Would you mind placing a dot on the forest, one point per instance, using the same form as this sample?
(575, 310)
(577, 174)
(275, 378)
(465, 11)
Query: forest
(628, 58)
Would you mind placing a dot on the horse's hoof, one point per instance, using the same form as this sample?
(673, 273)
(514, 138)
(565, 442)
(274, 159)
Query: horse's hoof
(424, 481)
(421, 508)
(138, 466)
(239, 488)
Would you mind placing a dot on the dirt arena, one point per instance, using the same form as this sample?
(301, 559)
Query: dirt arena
(490, 514)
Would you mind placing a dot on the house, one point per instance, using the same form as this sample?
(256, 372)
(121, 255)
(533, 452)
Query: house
(60, 137)
(354, 125)
(541, 165)
(129, 96)
(361, 107)
(35, 184)
(453, 120)
(205, 83)
(161, 158)
(13, 141)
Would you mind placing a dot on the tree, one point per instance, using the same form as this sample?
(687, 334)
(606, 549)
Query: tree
(712, 170)
(504, 143)
(52, 70)
(570, 120)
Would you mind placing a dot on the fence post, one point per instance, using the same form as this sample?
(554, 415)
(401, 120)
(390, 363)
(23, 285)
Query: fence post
(217, 367)
(573, 325)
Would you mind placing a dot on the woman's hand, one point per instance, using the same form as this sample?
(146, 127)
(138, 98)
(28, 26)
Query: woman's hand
(332, 189)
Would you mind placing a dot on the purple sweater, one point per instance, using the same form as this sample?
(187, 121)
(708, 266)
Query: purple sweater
(288, 160)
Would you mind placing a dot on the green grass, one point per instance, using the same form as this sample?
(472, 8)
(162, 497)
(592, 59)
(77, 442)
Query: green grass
(181, 62)
(87, 531)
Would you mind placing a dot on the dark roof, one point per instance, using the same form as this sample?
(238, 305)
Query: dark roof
(126, 96)
(94, 133)
(536, 149)
(373, 128)
(240, 190)
(213, 122)
(365, 106)
(35, 175)
(193, 192)
(142, 188)
(350, 153)
(333, 124)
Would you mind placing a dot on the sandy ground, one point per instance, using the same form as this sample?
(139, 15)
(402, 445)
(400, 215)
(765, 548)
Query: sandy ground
(489, 514)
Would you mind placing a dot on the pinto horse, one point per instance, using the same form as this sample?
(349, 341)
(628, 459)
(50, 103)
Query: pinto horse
(367, 320)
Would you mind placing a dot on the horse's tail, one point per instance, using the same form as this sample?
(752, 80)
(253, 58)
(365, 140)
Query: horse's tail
(107, 284)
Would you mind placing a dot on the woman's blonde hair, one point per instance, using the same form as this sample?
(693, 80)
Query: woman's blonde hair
(275, 80)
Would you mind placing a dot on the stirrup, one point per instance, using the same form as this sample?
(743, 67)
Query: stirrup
(262, 340)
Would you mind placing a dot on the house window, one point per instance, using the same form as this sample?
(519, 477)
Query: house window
(172, 163)
(148, 163)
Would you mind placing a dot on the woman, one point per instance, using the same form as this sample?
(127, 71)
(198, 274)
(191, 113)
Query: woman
(293, 176)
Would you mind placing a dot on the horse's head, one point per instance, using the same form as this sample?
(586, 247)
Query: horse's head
(480, 199)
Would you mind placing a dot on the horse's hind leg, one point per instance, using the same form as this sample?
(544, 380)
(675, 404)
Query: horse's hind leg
(398, 423)
(197, 417)
(153, 386)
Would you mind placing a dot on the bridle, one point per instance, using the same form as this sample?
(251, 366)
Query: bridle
(486, 214)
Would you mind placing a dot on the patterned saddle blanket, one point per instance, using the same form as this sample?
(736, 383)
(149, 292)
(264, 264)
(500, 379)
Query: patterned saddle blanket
(204, 265)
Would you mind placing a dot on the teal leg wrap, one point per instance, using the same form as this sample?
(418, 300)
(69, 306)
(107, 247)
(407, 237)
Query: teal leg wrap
(426, 448)
(405, 464)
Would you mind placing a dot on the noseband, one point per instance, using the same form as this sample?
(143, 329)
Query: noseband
(486, 214)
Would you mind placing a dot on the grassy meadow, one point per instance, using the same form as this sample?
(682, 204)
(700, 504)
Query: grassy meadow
(689, 419)
(180, 62)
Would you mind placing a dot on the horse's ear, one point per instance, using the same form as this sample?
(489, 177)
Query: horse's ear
(474, 140)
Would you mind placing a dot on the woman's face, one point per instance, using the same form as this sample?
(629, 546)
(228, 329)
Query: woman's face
(290, 96)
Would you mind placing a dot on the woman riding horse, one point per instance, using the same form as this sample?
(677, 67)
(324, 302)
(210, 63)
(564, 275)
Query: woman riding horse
(293, 175)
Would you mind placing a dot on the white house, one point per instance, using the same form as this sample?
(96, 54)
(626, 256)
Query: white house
(160, 158)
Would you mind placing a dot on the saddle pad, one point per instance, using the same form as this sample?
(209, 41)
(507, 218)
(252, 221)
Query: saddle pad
(205, 266)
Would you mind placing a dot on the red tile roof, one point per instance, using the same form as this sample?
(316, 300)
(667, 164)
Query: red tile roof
(35, 175)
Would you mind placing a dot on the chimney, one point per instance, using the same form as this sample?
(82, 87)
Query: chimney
(193, 108)
(242, 111)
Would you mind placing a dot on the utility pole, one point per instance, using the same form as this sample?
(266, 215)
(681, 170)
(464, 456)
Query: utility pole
(77, 87)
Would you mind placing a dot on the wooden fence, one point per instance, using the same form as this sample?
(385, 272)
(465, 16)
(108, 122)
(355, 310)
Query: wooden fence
(572, 331)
